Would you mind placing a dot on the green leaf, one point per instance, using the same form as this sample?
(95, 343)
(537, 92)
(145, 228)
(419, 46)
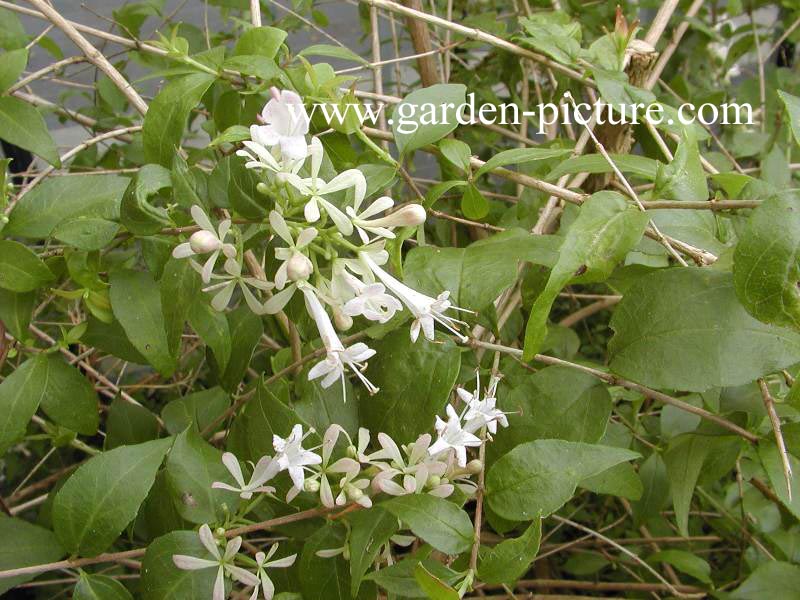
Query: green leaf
(554, 403)
(634, 164)
(685, 562)
(246, 329)
(520, 156)
(510, 559)
(86, 233)
(369, 531)
(15, 312)
(212, 327)
(168, 114)
(12, 65)
(473, 204)
(191, 467)
(137, 214)
(792, 104)
(620, 480)
(104, 494)
(457, 152)
(616, 90)
(415, 381)
(263, 41)
(20, 395)
(332, 52)
(254, 65)
(20, 269)
(661, 344)
(434, 588)
(418, 119)
(607, 227)
(180, 285)
(439, 522)
(479, 273)
(111, 338)
(772, 579)
(136, 302)
(25, 545)
(67, 396)
(655, 488)
(684, 459)
(324, 578)
(766, 265)
(554, 36)
(541, 476)
(199, 408)
(128, 424)
(771, 460)
(58, 199)
(684, 177)
(162, 580)
(23, 126)
(400, 579)
(100, 587)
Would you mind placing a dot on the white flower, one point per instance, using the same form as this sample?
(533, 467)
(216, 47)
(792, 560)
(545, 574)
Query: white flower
(234, 277)
(426, 310)
(259, 157)
(371, 300)
(337, 357)
(222, 562)
(285, 124)
(352, 489)
(206, 240)
(263, 561)
(416, 471)
(348, 466)
(453, 435)
(263, 471)
(480, 413)
(406, 216)
(292, 457)
(317, 188)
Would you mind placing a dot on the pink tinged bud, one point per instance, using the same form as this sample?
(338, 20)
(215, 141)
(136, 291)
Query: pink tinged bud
(410, 215)
(275, 93)
(202, 242)
(299, 267)
(474, 467)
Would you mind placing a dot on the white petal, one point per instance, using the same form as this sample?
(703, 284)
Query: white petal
(219, 586)
(207, 539)
(294, 147)
(282, 563)
(232, 464)
(192, 563)
(306, 237)
(183, 250)
(279, 300)
(199, 216)
(222, 299)
(278, 224)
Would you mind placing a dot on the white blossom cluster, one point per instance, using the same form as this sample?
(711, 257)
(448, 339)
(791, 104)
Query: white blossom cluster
(356, 476)
(337, 267)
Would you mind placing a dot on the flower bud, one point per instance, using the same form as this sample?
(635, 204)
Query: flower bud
(311, 485)
(474, 467)
(299, 267)
(353, 493)
(219, 532)
(406, 216)
(343, 322)
(262, 188)
(434, 481)
(202, 242)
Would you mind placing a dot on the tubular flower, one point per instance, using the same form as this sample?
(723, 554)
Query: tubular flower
(337, 357)
(292, 457)
(263, 563)
(230, 281)
(452, 435)
(426, 310)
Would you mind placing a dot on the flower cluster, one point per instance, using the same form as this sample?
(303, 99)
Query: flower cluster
(355, 475)
(338, 267)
